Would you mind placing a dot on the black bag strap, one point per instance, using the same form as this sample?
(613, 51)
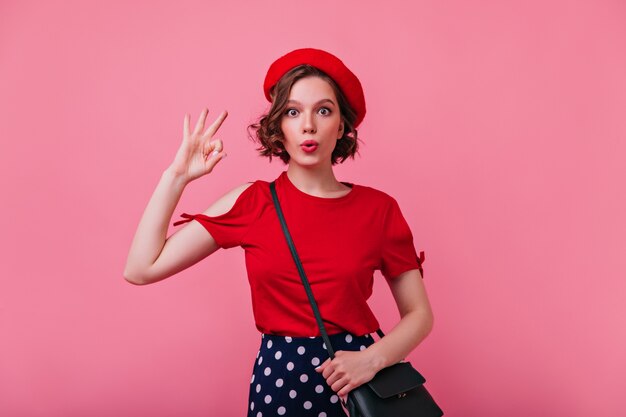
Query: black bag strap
(305, 281)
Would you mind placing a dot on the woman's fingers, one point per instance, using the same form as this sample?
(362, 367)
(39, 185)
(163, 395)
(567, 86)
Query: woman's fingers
(212, 160)
(211, 147)
(200, 123)
(320, 369)
(186, 126)
(218, 145)
(216, 124)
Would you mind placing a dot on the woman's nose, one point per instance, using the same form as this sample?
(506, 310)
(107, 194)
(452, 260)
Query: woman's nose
(308, 123)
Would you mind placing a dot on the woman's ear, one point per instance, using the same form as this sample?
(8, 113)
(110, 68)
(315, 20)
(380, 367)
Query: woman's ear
(341, 126)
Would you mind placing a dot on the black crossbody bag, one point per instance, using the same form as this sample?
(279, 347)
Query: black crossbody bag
(395, 391)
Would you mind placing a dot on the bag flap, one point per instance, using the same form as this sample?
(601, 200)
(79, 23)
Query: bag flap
(396, 379)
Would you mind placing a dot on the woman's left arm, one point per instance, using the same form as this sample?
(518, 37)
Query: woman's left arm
(415, 324)
(350, 369)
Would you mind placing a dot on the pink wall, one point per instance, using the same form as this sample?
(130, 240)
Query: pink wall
(499, 126)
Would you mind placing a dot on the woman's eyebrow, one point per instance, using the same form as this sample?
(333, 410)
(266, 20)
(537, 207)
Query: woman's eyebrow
(324, 100)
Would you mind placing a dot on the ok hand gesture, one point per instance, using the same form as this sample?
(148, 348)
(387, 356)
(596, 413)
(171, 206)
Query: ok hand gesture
(198, 153)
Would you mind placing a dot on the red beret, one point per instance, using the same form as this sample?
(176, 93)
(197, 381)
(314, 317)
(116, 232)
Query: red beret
(328, 63)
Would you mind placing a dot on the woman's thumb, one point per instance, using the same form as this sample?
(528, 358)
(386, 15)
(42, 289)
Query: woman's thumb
(213, 148)
(218, 145)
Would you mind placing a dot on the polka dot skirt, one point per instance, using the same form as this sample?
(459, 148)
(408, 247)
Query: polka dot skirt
(284, 381)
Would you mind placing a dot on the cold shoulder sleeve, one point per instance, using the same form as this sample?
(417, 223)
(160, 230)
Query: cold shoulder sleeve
(229, 229)
(398, 251)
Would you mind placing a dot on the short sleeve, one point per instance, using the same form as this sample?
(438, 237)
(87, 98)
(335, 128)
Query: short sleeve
(398, 251)
(229, 229)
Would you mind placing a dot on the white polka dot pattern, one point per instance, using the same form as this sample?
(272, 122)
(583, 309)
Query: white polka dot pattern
(284, 381)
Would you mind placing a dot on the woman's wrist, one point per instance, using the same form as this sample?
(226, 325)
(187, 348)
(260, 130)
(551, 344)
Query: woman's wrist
(376, 357)
(176, 178)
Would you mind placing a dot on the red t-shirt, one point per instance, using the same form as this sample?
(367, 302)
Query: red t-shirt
(340, 242)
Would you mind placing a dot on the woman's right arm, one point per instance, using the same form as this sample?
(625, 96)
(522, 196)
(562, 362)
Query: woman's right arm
(152, 256)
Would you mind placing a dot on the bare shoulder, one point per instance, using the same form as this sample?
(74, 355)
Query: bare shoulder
(223, 204)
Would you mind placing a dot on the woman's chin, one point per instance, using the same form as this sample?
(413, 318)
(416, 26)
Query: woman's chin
(308, 162)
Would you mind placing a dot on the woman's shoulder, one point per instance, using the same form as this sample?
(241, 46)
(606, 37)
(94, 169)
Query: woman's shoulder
(374, 194)
(228, 200)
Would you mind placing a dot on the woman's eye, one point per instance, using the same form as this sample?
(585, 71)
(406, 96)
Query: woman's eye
(324, 111)
(291, 112)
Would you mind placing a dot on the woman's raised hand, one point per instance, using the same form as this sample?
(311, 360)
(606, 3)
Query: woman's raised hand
(198, 153)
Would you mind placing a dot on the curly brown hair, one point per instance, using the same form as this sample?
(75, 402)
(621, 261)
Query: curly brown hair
(267, 131)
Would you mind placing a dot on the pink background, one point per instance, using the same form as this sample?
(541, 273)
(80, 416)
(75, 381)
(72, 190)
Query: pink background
(499, 127)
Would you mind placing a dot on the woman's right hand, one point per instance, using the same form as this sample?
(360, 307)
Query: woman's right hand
(198, 153)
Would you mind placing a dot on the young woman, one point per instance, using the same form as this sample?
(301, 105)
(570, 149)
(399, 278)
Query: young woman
(343, 233)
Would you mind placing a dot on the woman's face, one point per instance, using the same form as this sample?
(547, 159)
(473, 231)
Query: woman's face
(311, 123)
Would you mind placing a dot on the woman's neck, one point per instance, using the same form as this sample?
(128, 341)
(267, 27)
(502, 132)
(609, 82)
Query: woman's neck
(319, 182)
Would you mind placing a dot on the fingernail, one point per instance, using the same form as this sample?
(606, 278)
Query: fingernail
(215, 152)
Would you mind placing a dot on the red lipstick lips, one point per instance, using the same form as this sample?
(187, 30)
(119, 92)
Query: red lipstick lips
(309, 146)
